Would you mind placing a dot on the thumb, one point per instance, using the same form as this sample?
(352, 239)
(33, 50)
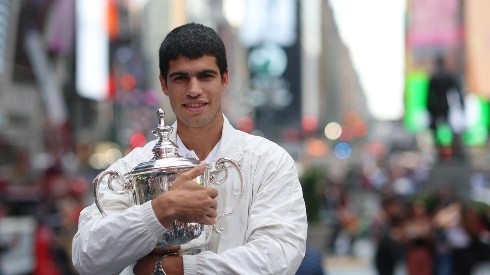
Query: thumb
(195, 171)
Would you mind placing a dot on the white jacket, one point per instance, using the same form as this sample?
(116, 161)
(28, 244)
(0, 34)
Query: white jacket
(265, 235)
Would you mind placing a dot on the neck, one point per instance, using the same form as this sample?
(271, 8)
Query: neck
(200, 140)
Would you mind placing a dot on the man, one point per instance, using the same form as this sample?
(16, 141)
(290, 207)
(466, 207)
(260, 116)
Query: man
(267, 232)
(445, 104)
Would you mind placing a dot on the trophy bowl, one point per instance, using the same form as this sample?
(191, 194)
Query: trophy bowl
(154, 177)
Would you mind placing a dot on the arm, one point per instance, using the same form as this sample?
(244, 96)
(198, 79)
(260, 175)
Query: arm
(275, 238)
(107, 245)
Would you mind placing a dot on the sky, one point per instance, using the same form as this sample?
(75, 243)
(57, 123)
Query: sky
(374, 33)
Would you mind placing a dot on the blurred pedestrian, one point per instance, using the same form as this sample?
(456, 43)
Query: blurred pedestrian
(312, 263)
(419, 241)
(388, 230)
(445, 104)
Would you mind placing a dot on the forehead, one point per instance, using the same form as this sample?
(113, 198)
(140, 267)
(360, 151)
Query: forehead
(188, 65)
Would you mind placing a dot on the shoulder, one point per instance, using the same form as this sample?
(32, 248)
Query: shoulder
(265, 151)
(240, 144)
(258, 143)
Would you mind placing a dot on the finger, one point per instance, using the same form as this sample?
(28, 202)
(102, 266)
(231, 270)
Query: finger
(214, 205)
(212, 214)
(209, 220)
(194, 172)
(212, 192)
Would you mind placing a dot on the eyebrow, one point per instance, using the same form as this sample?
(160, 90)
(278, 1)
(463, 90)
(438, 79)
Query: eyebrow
(198, 73)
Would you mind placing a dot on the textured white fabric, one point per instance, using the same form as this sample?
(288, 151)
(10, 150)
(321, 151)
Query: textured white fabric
(265, 235)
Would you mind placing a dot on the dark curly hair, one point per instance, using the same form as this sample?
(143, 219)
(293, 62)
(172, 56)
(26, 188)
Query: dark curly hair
(193, 41)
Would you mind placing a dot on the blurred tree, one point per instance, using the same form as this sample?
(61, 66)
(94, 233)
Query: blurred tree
(312, 181)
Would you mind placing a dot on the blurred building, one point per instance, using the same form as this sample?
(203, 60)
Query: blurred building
(70, 89)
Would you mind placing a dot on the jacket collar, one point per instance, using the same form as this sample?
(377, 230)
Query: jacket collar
(231, 142)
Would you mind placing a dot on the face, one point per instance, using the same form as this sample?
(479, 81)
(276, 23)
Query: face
(194, 87)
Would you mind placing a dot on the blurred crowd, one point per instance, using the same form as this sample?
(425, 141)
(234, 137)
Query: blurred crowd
(441, 234)
(54, 204)
(383, 200)
(422, 231)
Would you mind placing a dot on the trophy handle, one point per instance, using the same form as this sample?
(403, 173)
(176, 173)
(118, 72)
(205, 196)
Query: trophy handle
(221, 166)
(96, 182)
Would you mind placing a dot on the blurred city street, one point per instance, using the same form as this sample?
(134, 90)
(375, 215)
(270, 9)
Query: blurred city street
(384, 107)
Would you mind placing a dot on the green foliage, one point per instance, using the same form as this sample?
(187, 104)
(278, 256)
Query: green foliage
(312, 181)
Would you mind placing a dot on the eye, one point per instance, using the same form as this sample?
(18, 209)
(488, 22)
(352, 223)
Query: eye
(179, 78)
(207, 76)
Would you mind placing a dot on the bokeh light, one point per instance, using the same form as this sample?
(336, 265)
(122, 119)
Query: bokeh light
(333, 130)
(309, 123)
(342, 150)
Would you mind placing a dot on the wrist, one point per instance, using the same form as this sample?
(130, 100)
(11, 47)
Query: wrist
(173, 264)
(158, 270)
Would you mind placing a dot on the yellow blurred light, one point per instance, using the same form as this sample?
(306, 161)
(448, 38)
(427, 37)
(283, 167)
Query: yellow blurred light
(333, 130)
(105, 154)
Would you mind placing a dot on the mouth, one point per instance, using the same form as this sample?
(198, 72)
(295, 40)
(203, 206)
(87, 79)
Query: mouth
(194, 105)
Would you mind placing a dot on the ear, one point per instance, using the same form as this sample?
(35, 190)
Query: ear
(224, 80)
(163, 84)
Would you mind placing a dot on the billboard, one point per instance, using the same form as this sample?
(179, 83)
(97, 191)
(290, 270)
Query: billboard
(477, 30)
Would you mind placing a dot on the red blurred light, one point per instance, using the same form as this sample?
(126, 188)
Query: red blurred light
(245, 124)
(360, 129)
(137, 140)
(291, 135)
(309, 122)
(127, 82)
(346, 134)
(351, 117)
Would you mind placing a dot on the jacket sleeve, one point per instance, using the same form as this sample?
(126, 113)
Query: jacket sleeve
(276, 230)
(106, 245)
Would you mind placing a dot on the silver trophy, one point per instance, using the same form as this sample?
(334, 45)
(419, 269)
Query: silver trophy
(156, 176)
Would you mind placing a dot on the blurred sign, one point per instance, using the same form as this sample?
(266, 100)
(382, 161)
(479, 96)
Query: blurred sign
(17, 236)
(269, 21)
(478, 120)
(50, 90)
(477, 45)
(60, 26)
(268, 60)
(92, 48)
(416, 115)
(434, 23)
(4, 22)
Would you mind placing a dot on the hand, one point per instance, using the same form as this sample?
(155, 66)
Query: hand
(171, 265)
(145, 265)
(187, 201)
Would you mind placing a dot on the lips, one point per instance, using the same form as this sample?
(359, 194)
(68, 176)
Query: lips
(194, 105)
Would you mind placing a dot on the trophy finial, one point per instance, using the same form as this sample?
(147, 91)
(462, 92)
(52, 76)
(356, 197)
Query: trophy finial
(161, 118)
(164, 147)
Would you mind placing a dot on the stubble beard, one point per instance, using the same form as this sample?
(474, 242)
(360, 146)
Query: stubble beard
(197, 122)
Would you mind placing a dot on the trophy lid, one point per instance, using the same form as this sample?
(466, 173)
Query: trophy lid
(165, 153)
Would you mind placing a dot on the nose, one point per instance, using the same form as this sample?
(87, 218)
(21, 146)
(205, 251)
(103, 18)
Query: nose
(194, 88)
